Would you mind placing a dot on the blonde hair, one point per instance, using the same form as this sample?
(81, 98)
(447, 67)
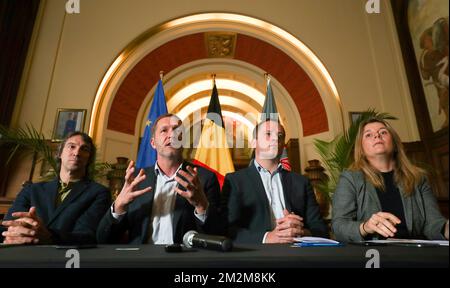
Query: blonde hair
(406, 174)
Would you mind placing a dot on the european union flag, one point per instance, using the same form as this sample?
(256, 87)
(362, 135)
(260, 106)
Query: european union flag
(147, 155)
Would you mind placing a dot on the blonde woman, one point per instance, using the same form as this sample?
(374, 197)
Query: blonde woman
(383, 195)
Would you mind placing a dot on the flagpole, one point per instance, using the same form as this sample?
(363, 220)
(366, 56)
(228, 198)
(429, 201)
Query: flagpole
(213, 78)
(161, 75)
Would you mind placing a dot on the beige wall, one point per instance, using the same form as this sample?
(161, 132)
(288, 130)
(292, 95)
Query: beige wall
(72, 52)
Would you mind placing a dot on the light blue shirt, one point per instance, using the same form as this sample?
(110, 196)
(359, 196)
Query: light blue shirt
(274, 192)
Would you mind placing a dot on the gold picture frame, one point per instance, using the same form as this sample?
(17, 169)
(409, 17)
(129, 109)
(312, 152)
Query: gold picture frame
(68, 120)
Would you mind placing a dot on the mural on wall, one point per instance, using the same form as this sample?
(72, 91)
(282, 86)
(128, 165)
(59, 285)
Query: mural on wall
(428, 25)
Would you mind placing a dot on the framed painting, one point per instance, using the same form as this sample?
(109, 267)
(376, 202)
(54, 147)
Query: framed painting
(422, 28)
(67, 121)
(423, 34)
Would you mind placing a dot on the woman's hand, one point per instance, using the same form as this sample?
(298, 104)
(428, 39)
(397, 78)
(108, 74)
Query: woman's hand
(382, 223)
(446, 230)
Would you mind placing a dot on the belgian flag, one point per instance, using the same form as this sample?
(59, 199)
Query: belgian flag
(213, 152)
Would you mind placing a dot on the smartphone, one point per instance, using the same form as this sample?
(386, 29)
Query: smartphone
(183, 167)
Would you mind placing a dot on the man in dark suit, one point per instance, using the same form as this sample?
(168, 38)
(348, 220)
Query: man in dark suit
(157, 205)
(66, 210)
(267, 204)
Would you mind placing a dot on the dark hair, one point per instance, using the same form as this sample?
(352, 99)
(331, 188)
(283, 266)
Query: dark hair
(92, 152)
(153, 129)
(255, 130)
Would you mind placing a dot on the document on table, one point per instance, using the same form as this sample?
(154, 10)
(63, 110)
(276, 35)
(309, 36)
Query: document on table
(314, 242)
(408, 242)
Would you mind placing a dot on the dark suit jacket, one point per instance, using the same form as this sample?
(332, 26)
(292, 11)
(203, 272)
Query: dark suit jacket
(75, 220)
(137, 219)
(248, 208)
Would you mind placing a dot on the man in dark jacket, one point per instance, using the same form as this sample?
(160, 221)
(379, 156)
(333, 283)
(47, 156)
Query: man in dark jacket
(161, 203)
(66, 210)
(267, 204)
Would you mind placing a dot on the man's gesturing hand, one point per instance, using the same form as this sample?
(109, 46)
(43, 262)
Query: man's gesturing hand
(194, 193)
(129, 192)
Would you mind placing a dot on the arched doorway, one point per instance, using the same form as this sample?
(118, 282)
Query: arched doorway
(305, 93)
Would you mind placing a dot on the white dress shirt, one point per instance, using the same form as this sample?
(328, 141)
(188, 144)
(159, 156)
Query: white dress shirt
(162, 208)
(274, 192)
(161, 221)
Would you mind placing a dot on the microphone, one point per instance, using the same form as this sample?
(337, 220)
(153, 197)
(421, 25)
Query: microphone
(194, 239)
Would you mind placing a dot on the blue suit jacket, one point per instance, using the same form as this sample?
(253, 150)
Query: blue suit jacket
(76, 219)
(248, 208)
(137, 220)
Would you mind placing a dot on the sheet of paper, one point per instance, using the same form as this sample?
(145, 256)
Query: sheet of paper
(309, 239)
(409, 241)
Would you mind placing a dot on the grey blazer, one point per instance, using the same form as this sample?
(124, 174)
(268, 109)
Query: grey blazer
(355, 200)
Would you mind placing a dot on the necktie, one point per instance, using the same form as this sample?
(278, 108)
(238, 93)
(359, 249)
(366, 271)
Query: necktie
(63, 191)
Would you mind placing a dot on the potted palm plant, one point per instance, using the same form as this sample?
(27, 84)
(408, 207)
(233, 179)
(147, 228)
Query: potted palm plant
(337, 154)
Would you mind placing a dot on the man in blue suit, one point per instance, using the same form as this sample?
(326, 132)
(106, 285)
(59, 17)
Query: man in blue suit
(66, 210)
(161, 203)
